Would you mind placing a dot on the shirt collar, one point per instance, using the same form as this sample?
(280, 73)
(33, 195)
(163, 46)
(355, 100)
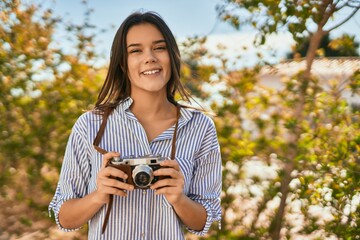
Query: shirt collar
(186, 115)
(126, 103)
(123, 106)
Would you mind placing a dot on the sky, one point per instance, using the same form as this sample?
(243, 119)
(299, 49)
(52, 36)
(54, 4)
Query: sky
(185, 18)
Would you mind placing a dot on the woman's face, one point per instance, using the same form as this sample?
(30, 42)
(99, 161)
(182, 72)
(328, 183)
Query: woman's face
(149, 65)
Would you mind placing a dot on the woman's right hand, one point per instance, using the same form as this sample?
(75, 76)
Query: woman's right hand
(106, 184)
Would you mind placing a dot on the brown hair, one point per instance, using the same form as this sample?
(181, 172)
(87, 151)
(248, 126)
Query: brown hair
(116, 87)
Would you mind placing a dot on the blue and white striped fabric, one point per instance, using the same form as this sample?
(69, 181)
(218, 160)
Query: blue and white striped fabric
(142, 214)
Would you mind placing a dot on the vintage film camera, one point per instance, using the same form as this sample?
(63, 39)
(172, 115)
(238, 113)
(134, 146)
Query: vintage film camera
(139, 169)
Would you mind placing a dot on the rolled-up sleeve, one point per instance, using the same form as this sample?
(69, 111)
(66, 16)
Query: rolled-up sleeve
(206, 184)
(75, 173)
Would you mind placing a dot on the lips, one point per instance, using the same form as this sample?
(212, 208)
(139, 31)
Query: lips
(151, 71)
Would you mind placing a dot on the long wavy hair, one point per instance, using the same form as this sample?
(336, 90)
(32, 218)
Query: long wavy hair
(116, 87)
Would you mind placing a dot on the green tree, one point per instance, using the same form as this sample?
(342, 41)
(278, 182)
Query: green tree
(42, 92)
(309, 133)
(304, 136)
(344, 45)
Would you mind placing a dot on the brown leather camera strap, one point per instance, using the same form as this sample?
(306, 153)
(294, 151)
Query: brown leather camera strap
(100, 133)
(103, 151)
(173, 147)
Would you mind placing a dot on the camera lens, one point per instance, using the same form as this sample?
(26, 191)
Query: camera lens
(142, 176)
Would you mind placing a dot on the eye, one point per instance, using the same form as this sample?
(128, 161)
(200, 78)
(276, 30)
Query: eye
(135, 50)
(160, 48)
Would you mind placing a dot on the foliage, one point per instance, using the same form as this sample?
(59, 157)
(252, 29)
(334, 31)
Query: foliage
(194, 74)
(254, 128)
(275, 152)
(298, 17)
(344, 45)
(43, 90)
(305, 132)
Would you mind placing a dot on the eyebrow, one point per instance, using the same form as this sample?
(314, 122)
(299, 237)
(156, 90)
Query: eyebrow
(138, 44)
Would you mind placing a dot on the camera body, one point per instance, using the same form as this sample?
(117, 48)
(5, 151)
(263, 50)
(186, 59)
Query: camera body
(139, 169)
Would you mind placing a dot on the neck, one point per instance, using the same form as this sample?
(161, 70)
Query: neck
(152, 105)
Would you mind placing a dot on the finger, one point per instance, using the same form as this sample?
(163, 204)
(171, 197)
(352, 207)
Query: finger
(171, 172)
(112, 172)
(115, 183)
(115, 191)
(167, 182)
(108, 156)
(171, 164)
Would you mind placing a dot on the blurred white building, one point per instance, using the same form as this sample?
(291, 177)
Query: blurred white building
(326, 69)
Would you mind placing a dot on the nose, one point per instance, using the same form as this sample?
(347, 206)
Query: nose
(150, 58)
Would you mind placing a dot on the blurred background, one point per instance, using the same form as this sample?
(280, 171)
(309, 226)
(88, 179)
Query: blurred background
(281, 77)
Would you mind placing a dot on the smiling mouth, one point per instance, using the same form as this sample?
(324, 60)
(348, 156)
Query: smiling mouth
(150, 72)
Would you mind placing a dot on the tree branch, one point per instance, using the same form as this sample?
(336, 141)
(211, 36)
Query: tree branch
(326, 14)
(338, 6)
(354, 2)
(344, 21)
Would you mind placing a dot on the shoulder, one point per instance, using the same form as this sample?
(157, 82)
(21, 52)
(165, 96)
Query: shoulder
(198, 116)
(88, 116)
(87, 120)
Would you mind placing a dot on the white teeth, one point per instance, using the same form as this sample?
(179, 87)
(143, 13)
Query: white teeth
(151, 72)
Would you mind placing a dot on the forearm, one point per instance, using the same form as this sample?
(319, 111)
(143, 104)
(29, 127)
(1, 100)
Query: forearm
(74, 213)
(191, 213)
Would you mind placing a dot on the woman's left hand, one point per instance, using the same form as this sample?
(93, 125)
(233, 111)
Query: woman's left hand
(173, 187)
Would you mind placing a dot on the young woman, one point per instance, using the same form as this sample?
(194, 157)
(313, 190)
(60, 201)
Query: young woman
(137, 102)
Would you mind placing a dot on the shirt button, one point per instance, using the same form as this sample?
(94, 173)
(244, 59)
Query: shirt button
(144, 192)
(143, 235)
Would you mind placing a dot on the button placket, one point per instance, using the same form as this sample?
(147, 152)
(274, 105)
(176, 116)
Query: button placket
(145, 225)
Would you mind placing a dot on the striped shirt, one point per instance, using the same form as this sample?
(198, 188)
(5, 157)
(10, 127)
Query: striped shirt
(142, 214)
